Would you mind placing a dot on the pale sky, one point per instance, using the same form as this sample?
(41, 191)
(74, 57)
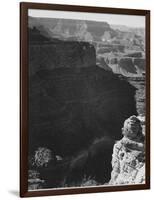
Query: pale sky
(115, 19)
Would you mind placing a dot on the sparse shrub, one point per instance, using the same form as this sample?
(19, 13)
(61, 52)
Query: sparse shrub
(43, 157)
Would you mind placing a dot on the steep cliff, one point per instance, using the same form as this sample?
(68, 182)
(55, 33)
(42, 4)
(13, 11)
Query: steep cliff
(73, 102)
(47, 53)
(127, 66)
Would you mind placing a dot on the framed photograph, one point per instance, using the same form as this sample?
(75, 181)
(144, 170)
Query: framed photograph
(85, 99)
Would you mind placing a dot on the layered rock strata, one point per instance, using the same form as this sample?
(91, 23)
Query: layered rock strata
(60, 54)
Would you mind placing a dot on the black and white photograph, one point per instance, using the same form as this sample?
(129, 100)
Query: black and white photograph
(87, 99)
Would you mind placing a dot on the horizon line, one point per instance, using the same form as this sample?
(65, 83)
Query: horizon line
(133, 21)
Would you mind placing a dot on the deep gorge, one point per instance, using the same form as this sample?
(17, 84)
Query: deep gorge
(73, 102)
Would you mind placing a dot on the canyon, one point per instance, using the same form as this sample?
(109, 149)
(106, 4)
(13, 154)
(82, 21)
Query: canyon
(122, 47)
(74, 102)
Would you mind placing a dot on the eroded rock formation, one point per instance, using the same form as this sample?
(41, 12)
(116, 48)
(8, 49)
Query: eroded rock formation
(72, 102)
(60, 54)
(128, 66)
(102, 63)
(128, 159)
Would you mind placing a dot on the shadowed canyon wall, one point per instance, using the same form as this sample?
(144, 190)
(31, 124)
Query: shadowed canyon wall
(55, 54)
(69, 108)
(73, 101)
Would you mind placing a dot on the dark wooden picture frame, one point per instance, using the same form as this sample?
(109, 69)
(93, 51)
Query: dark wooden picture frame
(24, 99)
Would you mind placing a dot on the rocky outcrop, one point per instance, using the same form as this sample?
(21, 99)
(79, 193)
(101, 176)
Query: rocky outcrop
(60, 54)
(102, 63)
(128, 159)
(127, 66)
